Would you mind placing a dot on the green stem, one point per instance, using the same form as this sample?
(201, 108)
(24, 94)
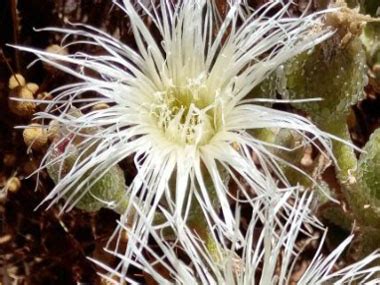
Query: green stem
(343, 152)
(198, 224)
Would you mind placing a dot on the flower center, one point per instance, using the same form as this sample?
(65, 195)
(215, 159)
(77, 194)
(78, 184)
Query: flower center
(186, 114)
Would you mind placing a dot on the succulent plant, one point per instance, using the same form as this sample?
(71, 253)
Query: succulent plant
(192, 124)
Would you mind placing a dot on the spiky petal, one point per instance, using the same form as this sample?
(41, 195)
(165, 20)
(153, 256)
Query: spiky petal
(267, 256)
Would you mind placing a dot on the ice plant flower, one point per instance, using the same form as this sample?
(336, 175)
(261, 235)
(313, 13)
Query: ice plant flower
(179, 104)
(271, 254)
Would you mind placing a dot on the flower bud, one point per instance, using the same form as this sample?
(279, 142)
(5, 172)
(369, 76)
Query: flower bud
(21, 108)
(35, 136)
(13, 184)
(16, 80)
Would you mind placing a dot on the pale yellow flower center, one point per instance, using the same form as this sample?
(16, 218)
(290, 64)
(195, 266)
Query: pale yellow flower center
(186, 114)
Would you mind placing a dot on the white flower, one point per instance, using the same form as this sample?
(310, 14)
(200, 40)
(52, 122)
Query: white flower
(269, 254)
(179, 106)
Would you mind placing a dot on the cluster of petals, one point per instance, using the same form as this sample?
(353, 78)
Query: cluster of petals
(181, 104)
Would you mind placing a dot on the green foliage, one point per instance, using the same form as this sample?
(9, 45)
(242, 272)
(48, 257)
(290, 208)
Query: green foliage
(334, 74)
(337, 74)
(107, 192)
(368, 173)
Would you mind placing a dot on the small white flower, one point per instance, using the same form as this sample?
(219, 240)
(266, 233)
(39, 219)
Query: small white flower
(179, 106)
(267, 256)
